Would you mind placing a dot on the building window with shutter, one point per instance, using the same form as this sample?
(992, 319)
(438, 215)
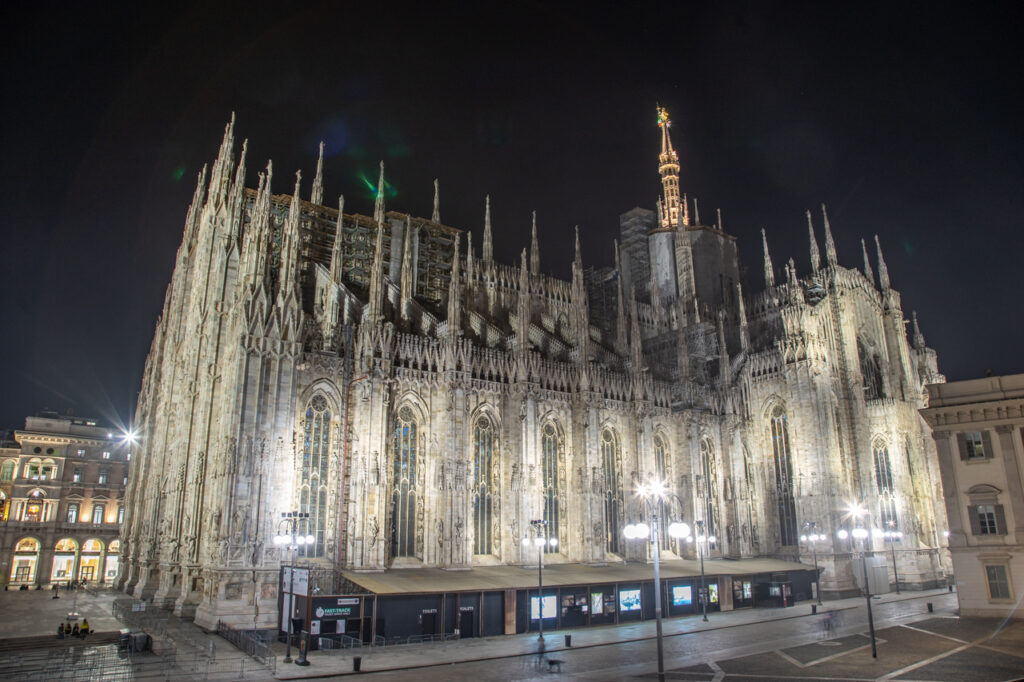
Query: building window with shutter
(974, 445)
(987, 519)
(998, 582)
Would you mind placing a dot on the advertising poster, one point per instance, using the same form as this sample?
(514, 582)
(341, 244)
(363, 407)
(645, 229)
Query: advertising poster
(682, 595)
(629, 600)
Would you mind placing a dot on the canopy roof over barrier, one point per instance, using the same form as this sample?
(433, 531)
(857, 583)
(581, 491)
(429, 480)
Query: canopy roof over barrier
(488, 578)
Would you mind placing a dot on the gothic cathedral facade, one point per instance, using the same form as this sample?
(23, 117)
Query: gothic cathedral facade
(422, 402)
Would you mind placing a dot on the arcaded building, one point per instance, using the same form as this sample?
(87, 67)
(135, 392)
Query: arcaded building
(62, 483)
(423, 402)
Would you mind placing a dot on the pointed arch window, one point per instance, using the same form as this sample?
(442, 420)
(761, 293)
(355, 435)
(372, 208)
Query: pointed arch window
(403, 485)
(549, 466)
(709, 486)
(783, 477)
(313, 469)
(661, 471)
(612, 489)
(887, 516)
(483, 486)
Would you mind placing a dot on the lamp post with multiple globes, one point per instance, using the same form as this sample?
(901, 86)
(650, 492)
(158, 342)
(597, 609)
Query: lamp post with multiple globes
(859, 532)
(653, 495)
(540, 526)
(703, 545)
(291, 539)
(892, 536)
(812, 537)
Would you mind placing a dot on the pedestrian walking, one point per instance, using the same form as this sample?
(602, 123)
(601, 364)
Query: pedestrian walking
(828, 625)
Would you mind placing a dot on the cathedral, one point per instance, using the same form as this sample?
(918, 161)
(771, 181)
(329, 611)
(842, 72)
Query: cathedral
(420, 403)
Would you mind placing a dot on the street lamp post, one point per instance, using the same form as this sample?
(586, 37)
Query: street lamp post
(813, 538)
(652, 495)
(861, 533)
(701, 540)
(290, 539)
(892, 536)
(541, 539)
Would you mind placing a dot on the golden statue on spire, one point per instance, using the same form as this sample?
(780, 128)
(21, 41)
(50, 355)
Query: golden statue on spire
(663, 117)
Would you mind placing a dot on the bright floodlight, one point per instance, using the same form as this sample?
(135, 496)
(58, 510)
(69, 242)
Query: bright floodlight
(803, 538)
(538, 541)
(526, 542)
(855, 510)
(277, 539)
(310, 539)
(128, 436)
(701, 538)
(553, 542)
(689, 538)
(945, 533)
(642, 530)
(877, 532)
(842, 534)
(712, 539)
(301, 540)
(657, 488)
(678, 529)
(629, 531)
(860, 533)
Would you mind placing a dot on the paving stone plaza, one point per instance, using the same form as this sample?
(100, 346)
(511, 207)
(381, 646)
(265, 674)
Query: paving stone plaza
(776, 644)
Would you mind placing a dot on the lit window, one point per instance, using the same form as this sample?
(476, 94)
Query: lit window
(128, 457)
(120, 514)
(72, 513)
(104, 475)
(77, 476)
(987, 519)
(80, 452)
(998, 583)
(7, 472)
(106, 454)
(97, 513)
(124, 481)
(972, 445)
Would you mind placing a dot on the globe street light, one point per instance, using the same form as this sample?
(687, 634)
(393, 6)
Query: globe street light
(861, 533)
(541, 527)
(813, 538)
(652, 495)
(290, 539)
(892, 536)
(702, 541)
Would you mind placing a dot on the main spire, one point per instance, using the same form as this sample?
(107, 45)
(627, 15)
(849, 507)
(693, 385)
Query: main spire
(674, 213)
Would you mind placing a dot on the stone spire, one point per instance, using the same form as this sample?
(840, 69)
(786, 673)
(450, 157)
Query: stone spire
(374, 309)
(488, 247)
(290, 242)
(579, 253)
(406, 277)
(918, 336)
(620, 327)
(867, 264)
(815, 254)
(436, 215)
(718, 214)
(264, 230)
(635, 340)
(696, 211)
(337, 252)
(724, 373)
(674, 212)
(195, 209)
(469, 258)
(237, 195)
(378, 203)
(655, 293)
(534, 248)
(255, 239)
(769, 271)
(454, 305)
(742, 314)
(220, 176)
(830, 245)
(582, 315)
(883, 270)
(317, 197)
(523, 306)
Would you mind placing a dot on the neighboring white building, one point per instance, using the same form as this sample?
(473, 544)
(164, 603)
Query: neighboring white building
(979, 430)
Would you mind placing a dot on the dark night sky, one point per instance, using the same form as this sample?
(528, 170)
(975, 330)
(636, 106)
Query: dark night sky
(903, 118)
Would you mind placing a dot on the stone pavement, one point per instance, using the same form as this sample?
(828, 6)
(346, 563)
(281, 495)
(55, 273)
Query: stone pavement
(424, 657)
